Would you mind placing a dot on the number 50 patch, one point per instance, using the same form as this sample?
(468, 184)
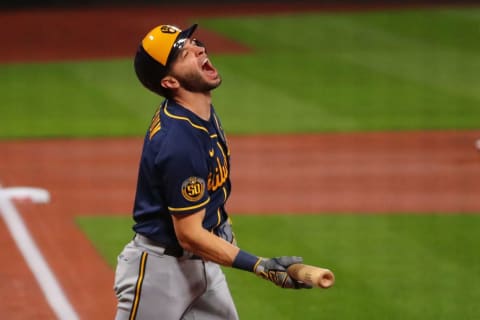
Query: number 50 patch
(193, 188)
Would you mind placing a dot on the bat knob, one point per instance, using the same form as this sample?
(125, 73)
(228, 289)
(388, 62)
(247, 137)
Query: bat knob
(327, 280)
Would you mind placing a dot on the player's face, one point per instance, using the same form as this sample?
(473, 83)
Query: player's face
(193, 69)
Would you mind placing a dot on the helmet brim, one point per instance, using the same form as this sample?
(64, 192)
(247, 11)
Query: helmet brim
(180, 41)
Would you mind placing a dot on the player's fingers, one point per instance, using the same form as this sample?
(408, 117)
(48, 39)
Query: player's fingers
(302, 285)
(290, 283)
(288, 260)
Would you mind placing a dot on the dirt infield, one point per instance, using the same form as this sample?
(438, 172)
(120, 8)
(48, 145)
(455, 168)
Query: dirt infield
(358, 173)
(418, 172)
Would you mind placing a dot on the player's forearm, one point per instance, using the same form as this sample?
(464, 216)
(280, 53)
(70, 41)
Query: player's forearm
(194, 238)
(210, 247)
(216, 249)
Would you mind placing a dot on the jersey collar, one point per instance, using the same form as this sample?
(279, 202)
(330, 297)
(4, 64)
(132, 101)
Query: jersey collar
(177, 111)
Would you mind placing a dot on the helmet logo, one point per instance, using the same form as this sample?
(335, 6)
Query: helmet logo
(169, 29)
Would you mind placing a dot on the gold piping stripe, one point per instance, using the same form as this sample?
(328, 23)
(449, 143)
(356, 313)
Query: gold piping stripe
(213, 135)
(185, 119)
(224, 194)
(221, 149)
(216, 121)
(219, 218)
(219, 128)
(138, 286)
(256, 265)
(190, 208)
(155, 125)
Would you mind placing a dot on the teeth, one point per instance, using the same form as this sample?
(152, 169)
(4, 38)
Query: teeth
(205, 62)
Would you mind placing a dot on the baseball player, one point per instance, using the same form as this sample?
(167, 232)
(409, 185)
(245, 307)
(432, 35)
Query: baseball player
(171, 268)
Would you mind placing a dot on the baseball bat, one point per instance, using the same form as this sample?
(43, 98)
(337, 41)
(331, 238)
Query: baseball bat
(314, 276)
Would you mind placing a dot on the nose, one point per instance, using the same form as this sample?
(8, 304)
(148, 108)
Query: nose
(200, 50)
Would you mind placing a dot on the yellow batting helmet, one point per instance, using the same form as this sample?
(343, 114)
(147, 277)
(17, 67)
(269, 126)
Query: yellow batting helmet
(156, 51)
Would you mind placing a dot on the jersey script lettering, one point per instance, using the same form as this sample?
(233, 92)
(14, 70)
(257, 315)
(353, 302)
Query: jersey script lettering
(155, 125)
(217, 178)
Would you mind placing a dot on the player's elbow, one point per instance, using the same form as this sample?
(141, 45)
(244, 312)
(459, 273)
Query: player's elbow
(188, 238)
(187, 242)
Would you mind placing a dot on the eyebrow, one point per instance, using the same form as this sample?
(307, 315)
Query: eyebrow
(183, 52)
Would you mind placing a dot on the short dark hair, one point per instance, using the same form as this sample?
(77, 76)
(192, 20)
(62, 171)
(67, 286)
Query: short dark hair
(149, 71)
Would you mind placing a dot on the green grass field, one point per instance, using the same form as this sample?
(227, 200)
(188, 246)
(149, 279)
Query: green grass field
(397, 70)
(392, 70)
(386, 266)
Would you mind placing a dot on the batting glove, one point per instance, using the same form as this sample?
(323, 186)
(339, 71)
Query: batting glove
(275, 270)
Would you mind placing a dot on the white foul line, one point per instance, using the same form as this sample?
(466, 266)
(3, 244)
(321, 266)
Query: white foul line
(30, 251)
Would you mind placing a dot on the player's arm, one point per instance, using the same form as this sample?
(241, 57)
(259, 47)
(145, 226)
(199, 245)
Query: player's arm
(194, 238)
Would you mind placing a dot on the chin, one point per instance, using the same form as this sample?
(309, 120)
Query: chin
(218, 81)
(215, 83)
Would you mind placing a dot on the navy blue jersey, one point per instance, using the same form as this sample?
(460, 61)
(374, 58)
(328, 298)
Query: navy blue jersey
(184, 167)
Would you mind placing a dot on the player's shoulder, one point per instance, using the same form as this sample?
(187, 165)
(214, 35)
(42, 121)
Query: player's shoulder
(176, 130)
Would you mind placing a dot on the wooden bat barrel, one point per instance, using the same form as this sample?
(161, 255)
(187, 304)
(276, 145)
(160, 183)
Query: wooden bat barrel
(314, 276)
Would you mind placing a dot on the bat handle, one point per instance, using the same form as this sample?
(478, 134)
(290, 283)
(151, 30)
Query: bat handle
(314, 276)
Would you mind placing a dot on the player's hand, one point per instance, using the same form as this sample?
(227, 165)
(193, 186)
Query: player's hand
(275, 270)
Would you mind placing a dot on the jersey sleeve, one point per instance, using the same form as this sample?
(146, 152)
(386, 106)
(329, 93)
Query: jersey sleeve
(184, 171)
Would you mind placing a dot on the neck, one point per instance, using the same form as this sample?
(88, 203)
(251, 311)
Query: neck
(197, 102)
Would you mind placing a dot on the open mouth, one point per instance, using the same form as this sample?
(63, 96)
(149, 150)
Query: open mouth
(208, 68)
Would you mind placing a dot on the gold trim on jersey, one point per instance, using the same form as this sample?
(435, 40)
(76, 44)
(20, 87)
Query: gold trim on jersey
(155, 125)
(225, 195)
(190, 208)
(138, 286)
(221, 149)
(219, 218)
(222, 133)
(184, 119)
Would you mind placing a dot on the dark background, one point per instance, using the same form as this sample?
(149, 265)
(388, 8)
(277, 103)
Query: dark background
(30, 4)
